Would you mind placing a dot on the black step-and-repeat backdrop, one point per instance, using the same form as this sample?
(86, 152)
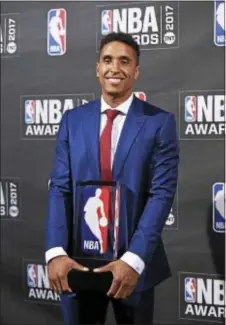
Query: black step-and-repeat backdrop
(48, 56)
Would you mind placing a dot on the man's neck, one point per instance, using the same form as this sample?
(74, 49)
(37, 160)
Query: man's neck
(114, 101)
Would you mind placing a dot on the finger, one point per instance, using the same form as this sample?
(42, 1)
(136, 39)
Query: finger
(105, 268)
(79, 267)
(51, 285)
(64, 285)
(114, 288)
(58, 285)
(120, 292)
(55, 286)
(123, 292)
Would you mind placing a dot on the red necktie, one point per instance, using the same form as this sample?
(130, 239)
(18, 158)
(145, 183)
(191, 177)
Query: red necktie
(106, 173)
(105, 146)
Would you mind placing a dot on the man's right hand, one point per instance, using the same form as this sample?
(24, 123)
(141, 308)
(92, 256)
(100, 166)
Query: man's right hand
(58, 269)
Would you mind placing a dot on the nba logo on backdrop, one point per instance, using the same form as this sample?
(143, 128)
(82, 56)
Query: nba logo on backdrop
(32, 275)
(106, 22)
(57, 32)
(219, 23)
(41, 114)
(190, 289)
(152, 25)
(203, 114)
(29, 111)
(201, 297)
(219, 202)
(190, 108)
(36, 281)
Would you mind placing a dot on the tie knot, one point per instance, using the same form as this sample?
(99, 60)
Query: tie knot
(111, 114)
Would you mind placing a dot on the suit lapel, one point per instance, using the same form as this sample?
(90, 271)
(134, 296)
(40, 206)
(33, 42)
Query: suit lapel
(91, 130)
(134, 121)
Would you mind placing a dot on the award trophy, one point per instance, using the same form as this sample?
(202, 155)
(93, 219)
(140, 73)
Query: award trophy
(95, 233)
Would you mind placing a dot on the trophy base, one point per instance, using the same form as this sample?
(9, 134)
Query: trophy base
(86, 281)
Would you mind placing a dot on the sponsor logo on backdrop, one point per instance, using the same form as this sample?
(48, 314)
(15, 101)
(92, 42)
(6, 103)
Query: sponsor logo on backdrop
(153, 25)
(202, 297)
(9, 198)
(41, 114)
(37, 286)
(219, 206)
(219, 23)
(141, 95)
(202, 114)
(171, 219)
(172, 222)
(57, 31)
(9, 28)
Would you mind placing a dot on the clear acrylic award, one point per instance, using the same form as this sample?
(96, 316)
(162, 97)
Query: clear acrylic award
(95, 233)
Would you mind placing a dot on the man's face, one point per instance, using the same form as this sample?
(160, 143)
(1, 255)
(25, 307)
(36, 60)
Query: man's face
(117, 68)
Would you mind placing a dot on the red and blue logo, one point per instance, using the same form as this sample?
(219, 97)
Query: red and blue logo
(32, 275)
(190, 289)
(30, 109)
(219, 23)
(106, 22)
(95, 222)
(57, 32)
(190, 108)
(219, 207)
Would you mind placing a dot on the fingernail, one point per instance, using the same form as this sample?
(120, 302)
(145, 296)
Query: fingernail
(96, 270)
(85, 269)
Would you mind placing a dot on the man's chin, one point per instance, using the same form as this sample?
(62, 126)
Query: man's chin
(114, 92)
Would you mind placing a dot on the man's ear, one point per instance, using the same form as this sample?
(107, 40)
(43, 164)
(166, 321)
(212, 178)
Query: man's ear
(97, 69)
(137, 72)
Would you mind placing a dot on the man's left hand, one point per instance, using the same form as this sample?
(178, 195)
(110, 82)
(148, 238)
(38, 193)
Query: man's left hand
(124, 279)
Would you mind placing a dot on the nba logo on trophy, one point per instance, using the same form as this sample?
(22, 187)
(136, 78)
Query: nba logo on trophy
(95, 220)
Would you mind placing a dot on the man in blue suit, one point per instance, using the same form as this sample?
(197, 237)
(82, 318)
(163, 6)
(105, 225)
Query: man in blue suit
(121, 138)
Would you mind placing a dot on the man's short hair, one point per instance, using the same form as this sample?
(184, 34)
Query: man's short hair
(121, 37)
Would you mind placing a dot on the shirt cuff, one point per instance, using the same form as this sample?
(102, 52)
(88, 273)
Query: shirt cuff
(133, 261)
(54, 252)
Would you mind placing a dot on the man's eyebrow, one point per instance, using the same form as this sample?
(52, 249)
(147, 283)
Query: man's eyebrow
(122, 57)
(125, 57)
(107, 56)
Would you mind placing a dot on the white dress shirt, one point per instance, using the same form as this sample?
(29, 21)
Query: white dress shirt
(128, 257)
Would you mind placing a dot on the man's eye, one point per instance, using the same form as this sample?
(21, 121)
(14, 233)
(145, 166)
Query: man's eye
(107, 61)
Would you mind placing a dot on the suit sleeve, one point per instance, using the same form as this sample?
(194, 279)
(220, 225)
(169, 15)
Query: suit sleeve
(162, 188)
(60, 192)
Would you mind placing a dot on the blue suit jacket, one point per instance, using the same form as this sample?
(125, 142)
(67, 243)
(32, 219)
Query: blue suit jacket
(146, 162)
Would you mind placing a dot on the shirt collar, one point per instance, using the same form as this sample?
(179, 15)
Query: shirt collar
(123, 107)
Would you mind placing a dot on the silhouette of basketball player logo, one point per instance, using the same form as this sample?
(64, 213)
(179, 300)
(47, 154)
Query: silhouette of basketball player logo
(93, 207)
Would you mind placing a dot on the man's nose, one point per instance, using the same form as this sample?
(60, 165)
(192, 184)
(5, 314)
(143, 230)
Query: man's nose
(115, 67)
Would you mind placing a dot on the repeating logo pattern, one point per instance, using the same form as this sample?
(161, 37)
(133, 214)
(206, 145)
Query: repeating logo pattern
(219, 23)
(41, 114)
(219, 207)
(153, 25)
(201, 297)
(9, 35)
(57, 32)
(202, 114)
(36, 283)
(10, 198)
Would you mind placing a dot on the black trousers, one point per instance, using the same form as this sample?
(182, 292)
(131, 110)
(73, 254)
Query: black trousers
(92, 309)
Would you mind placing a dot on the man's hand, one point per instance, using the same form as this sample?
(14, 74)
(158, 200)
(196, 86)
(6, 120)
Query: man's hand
(124, 279)
(58, 269)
